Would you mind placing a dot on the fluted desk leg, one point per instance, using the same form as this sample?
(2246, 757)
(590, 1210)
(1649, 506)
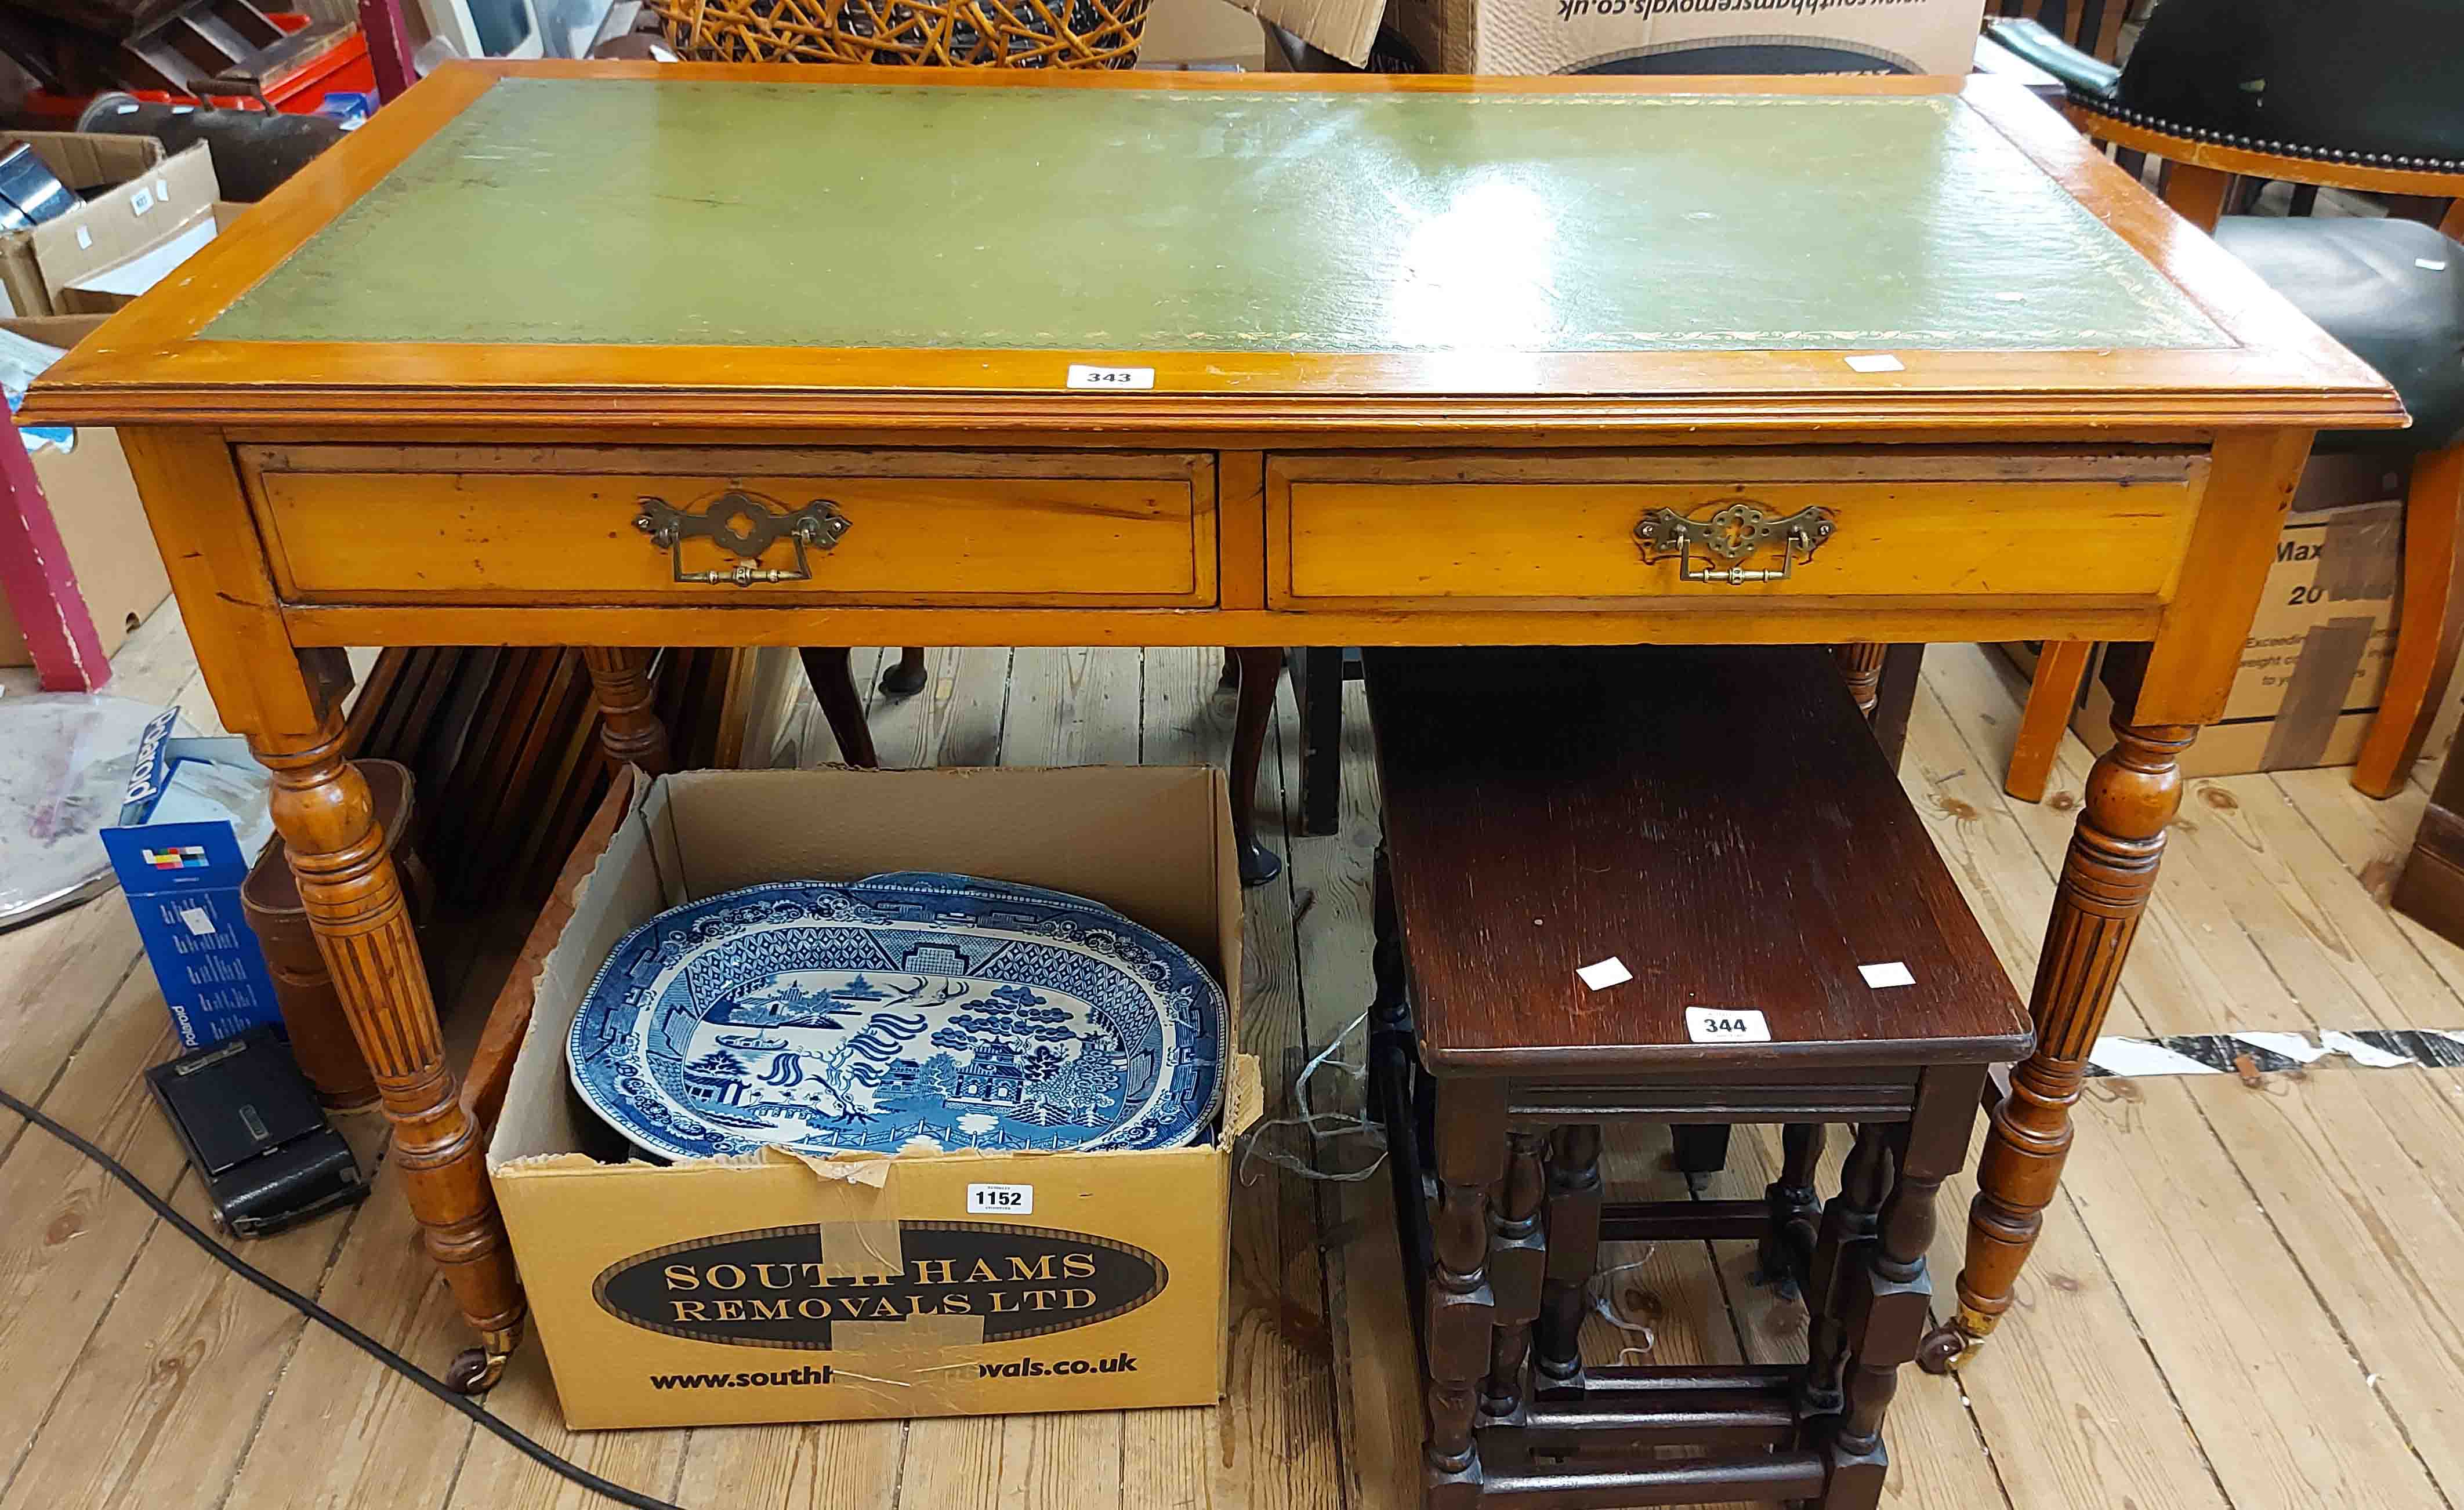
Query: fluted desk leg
(2131, 797)
(355, 906)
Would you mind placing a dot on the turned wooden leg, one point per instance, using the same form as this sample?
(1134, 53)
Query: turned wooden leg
(2061, 666)
(1571, 1222)
(1518, 1252)
(906, 677)
(1796, 1208)
(1861, 667)
(2131, 797)
(1260, 666)
(1317, 685)
(630, 726)
(2433, 623)
(1847, 1226)
(1700, 1150)
(833, 684)
(354, 898)
(1890, 1293)
(1461, 1308)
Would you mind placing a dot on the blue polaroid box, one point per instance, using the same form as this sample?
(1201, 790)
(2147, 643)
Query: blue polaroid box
(179, 854)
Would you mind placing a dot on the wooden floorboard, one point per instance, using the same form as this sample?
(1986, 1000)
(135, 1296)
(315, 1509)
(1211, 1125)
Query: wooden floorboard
(2245, 1297)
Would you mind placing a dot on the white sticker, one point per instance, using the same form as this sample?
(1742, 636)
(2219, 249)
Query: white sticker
(200, 920)
(1726, 1026)
(1891, 973)
(1877, 363)
(141, 202)
(1610, 972)
(2428, 265)
(85, 238)
(124, 110)
(162, 189)
(1001, 1200)
(1082, 376)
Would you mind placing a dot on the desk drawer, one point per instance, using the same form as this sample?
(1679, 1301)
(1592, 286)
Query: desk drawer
(663, 524)
(1537, 531)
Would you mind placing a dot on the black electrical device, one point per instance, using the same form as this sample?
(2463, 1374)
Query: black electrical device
(256, 1133)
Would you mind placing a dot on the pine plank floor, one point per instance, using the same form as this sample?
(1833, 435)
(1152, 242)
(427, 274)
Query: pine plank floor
(2246, 1297)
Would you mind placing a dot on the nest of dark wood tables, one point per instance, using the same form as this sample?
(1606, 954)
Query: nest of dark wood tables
(979, 33)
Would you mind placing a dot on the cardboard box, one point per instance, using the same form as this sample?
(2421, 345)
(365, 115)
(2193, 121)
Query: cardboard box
(92, 499)
(1681, 37)
(182, 880)
(786, 1289)
(2317, 656)
(146, 199)
(1203, 35)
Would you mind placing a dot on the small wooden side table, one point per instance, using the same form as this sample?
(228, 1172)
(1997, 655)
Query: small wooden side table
(1723, 823)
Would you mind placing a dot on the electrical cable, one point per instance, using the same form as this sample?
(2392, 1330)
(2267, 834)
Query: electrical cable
(349, 1333)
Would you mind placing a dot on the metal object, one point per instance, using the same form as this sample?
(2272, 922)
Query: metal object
(254, 150)
(744, 524)
(30, 191)
(1734, 532)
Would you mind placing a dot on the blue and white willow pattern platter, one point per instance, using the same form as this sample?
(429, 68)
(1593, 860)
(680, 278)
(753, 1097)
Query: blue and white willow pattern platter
(907, 1010)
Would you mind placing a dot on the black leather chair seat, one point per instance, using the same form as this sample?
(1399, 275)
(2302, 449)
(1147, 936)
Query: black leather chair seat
(2390, 291)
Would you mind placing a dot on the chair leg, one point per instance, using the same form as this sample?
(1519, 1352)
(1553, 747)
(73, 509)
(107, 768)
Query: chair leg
(2431, 625)
(2060, 667)
(906, 678)
(2196, 194)
(1700, 1150)
(1317, 682)
(833, 683)
(1258, 668)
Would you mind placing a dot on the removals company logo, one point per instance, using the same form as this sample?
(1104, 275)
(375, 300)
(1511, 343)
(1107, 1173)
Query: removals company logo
(788, 1287)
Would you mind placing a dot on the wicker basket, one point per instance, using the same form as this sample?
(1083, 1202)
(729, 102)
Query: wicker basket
(995, 34)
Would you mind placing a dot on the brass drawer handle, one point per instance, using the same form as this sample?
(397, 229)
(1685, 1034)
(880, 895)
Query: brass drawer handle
(745, 524)
(1734, 532)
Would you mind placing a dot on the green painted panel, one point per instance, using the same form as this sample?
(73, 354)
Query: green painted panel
(716, 213)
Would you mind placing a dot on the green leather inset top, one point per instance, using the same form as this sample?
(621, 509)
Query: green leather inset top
(717, 213)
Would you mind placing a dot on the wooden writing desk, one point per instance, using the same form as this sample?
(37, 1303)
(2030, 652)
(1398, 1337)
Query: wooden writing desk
(1432, 360)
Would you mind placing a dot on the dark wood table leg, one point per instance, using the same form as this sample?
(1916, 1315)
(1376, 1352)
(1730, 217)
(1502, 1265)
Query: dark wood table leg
(1891, 1294)
(1700, 1150)
(1317, 685)
(1518, 1254)
(354, 899)
(1847, 1226)
(630, 726)
(1895, 698)
(1260, 666)
(1796, 1208)
(833, 684)
(1460, 1306)
(906, 676)
(2132, 797)
(1572, 1225)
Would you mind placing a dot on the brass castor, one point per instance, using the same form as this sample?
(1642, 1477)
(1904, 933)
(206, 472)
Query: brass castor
(475, 1371)
(1944, 1347)
(906, 676)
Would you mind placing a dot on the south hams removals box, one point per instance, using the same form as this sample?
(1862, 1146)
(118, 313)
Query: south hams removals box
(787, 1288)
